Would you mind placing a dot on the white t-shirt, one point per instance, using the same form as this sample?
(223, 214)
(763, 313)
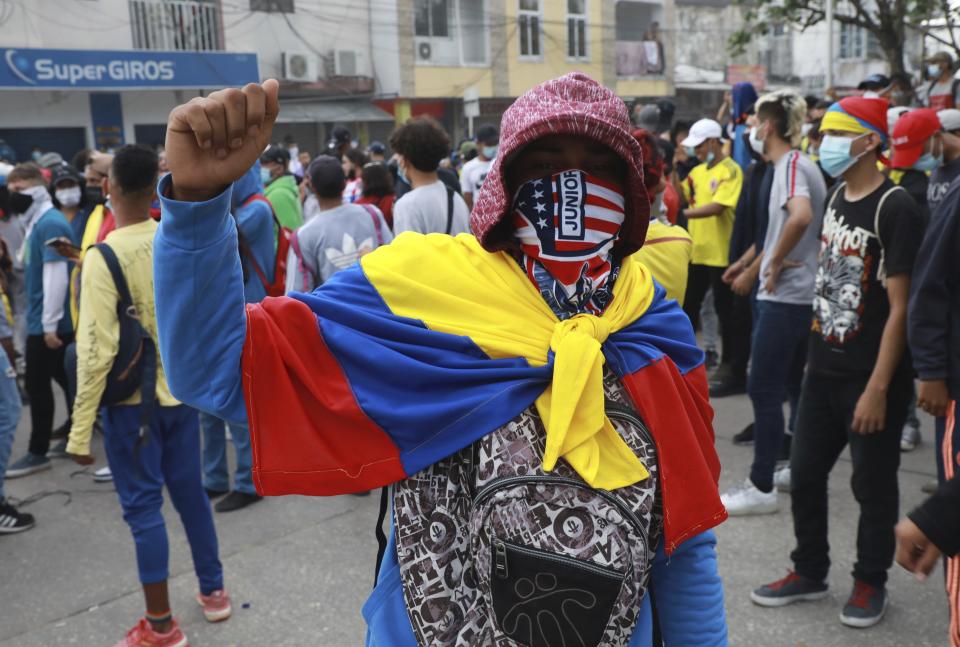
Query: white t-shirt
(473, 174)
(424, 210)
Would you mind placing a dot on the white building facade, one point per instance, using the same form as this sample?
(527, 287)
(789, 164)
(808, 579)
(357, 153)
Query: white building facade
(100, 73)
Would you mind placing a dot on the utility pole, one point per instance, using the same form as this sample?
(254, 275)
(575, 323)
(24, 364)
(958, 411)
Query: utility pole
(829, 21)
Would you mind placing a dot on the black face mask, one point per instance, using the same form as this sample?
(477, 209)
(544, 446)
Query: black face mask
(95, 195)
(19, 202)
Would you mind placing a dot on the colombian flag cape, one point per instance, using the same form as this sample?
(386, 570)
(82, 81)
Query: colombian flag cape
(432, 342)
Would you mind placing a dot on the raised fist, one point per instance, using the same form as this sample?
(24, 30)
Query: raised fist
(213, 140)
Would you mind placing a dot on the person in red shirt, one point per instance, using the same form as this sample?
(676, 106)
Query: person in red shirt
(378, 189)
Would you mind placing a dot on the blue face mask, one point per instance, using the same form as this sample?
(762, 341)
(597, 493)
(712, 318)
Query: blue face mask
(928, 162)
(933, 71)
(490, 152)
(835, 156)
(690, 151)
(711, 157)
(265, 176)
(402, 175)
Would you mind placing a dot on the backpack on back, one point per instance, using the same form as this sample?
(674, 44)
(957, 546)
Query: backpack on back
(495, 551)
(135, 364)
(278, 287)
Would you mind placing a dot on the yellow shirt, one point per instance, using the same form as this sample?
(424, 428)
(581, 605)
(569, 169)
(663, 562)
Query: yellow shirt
(90, 233)
(666, 252)
(98, 330)
(711, 235)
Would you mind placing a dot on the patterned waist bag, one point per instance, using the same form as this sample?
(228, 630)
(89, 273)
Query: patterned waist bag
(495, 551)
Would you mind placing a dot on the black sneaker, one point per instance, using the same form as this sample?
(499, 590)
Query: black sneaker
(59, 450)
(62, 431)
(792, 588)
(213, 494)
(236, 501)
(865, 607)
(12, 521)
(728, 385)
(745, 437)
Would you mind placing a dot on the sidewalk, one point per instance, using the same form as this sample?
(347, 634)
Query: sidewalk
(299, 569)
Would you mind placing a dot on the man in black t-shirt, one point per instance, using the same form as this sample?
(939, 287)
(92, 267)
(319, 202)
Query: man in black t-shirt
(858, 380)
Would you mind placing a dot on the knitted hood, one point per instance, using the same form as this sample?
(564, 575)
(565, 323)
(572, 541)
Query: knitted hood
(573, 104)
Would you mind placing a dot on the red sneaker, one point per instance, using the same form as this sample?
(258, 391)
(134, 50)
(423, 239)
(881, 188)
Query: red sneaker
(143, 635)
(216, 606)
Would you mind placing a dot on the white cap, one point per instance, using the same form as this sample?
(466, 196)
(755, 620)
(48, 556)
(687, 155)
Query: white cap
(893, 114)
(702, 131)
(949, 119)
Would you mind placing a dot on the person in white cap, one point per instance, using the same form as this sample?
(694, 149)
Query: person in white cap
(944, 175)
(711, 192)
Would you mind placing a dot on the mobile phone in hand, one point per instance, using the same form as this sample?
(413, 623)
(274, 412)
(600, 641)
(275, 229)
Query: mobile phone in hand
(65, 247)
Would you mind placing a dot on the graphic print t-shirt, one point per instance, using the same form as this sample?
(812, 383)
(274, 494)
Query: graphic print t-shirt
(473, 174)
(850, 305)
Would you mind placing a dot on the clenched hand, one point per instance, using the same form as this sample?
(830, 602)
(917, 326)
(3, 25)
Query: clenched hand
(213, 140)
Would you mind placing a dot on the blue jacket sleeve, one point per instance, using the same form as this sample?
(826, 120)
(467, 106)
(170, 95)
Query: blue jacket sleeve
(201, 317)
(689, 594)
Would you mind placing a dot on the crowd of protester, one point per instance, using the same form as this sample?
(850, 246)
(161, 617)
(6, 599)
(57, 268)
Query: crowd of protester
(812, 242)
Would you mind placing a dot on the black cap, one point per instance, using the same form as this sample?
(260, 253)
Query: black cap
(875, 82)
(276, 154)
(488, 134)
(62, 172)
(340, 136)
(326, 175)
(377, 147)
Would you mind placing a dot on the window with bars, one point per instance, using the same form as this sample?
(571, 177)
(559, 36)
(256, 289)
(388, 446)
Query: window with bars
(528, 26)
(176, 24)
(431, 18)
(853, 41)
(577, 29)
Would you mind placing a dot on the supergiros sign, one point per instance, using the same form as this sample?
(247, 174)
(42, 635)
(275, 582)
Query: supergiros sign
(104, 69)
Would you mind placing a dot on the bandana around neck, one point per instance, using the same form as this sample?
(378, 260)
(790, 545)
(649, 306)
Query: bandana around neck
(566, 225)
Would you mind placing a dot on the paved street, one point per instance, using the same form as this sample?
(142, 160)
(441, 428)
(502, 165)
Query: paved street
(299, 569)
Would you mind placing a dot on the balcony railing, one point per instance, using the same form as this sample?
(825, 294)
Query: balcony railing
(176, 25)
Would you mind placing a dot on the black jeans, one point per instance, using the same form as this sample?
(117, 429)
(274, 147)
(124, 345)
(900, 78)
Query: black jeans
(823, 430)
(44, 364)
(732, 311)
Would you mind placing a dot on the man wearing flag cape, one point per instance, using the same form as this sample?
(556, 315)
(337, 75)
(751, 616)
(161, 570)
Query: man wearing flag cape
(431, 344)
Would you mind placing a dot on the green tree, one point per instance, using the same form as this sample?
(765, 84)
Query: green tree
(887, 20)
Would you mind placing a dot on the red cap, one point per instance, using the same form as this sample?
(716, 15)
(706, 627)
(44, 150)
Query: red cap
(910, 133)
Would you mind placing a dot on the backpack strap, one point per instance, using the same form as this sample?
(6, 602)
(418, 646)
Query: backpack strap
(376, 222)
(449, 210)
(148, 380)
(247, 253)
(882, 267)
(113, 264)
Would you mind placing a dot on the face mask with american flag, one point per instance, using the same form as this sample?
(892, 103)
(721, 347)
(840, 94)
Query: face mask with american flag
(566, 224)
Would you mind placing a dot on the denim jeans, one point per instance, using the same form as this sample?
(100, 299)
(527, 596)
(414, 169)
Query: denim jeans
(823, 430)
(216, 475)
(9, 413)
(778, 354)
(170, 455)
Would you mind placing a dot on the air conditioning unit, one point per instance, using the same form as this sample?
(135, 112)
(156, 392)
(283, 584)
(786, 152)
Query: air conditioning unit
(298, 66)
(348, 62)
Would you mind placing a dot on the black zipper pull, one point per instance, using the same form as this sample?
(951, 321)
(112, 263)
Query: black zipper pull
(500, 558)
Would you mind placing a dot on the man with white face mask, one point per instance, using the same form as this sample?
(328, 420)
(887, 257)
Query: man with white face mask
(782, 311)
(49, 328)
(859, 380)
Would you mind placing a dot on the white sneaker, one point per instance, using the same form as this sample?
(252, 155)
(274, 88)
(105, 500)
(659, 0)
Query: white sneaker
(781, 479)
(909, 439)
(103, 475)
(746, 499)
